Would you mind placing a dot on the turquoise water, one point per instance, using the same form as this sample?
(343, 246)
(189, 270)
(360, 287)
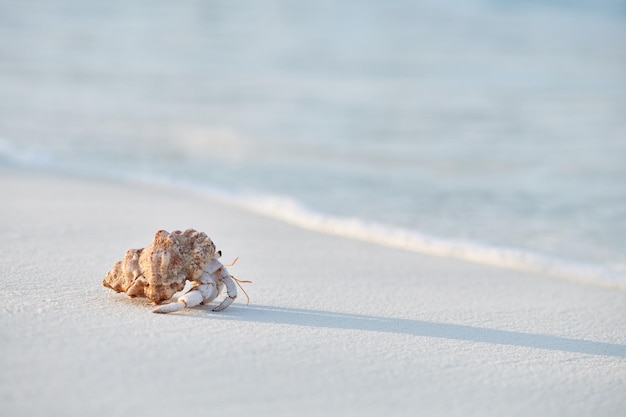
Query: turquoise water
(497, 124)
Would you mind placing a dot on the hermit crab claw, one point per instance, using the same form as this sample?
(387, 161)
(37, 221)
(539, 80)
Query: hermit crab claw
(214, 277)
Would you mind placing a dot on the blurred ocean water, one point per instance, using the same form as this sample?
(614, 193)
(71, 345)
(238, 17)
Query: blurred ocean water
(485, 124)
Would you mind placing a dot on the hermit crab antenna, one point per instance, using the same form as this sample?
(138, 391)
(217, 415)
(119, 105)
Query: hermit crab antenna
(242, 281)
(234, 262)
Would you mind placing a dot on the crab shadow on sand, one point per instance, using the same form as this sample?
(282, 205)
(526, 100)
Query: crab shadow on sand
(337, 320)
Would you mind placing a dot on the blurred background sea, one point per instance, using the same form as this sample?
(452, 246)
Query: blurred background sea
(493, 124)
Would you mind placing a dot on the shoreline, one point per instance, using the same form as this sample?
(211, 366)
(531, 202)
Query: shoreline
(291, 212)
(335, 326)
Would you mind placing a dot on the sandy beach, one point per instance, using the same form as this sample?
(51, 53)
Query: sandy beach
(334, 326)
(427, 196)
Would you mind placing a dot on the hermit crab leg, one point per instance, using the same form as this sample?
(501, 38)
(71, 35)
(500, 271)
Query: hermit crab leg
(231, 290)
(192, 298)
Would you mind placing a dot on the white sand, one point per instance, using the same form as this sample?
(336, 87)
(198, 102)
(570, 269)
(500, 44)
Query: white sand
(335, 327)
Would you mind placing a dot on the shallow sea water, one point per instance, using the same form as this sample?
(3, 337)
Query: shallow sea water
(497, 124)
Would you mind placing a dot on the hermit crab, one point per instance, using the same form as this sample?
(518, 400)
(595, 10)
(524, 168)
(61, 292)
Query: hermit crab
(162, 269)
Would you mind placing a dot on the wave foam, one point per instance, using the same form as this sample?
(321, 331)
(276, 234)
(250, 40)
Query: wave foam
(290, 211)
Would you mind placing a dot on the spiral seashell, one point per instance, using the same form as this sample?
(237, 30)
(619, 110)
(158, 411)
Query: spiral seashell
(161, 269)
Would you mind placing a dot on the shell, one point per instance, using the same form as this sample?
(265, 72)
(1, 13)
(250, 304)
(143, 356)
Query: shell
(161, 269)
